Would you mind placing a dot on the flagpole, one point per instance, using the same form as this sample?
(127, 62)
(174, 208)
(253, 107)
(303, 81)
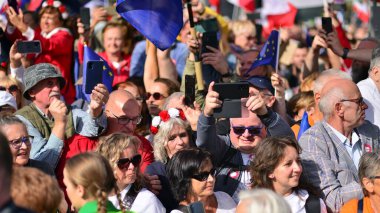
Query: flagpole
(278, 49)
(197, 62)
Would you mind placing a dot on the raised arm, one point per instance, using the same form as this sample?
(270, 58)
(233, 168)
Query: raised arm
(151, 70)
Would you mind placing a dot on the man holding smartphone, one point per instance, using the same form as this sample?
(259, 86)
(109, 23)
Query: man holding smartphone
(49, 120)
(236, 147)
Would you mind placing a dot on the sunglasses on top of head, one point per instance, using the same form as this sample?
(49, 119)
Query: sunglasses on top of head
(123, 163)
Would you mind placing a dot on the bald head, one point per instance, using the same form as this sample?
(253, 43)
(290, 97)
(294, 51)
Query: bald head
(335, 91)
(119, 99)
(120, 107)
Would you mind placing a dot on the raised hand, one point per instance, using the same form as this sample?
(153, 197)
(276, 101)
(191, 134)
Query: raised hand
(99, 96)
(212, 101)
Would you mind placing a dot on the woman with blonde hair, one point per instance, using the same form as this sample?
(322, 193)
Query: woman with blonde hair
(88, 183)
(14, 87)
(172, 133)
(121, 152)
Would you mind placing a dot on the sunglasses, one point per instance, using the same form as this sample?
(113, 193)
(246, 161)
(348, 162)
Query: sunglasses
(123, 163)
(252, 130)
(12, 88)
(204, 175)
(17, 143)
(156, 96)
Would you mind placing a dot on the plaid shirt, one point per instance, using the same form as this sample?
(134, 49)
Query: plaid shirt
(328, 166)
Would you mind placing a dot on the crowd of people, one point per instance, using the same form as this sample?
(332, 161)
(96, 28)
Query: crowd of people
(308, 142)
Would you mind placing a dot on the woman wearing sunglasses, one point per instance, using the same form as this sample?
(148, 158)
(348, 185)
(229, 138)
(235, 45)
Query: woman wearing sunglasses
(277, 166)
(192, 177)
(88, 182)
(14, 87)
(121, 152)
(369, 176)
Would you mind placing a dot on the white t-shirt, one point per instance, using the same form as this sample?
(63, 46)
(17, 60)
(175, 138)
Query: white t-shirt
(225, 203)
(371, 97)
(297, 202)
(145, 201)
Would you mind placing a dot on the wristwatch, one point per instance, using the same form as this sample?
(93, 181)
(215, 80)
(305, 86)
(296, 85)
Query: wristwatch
(345, 53)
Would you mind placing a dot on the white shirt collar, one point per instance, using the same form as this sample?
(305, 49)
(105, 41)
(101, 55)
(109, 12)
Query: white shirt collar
(354, 136)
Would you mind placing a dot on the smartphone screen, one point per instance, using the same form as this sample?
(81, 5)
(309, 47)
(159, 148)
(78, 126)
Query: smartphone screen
(327, 24)
(189, 90)
(25, 47)
(209, 39)
(13, 4)
(85, 17)
(94, 75)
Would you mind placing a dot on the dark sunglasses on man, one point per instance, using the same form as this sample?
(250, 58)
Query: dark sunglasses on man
(252, 130)
(10, 89)
(156, 96)
(123, 163)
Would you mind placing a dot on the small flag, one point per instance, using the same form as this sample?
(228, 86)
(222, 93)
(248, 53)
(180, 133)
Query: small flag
(90, 55)
(160, 21)
(304, 125)
(269, 52)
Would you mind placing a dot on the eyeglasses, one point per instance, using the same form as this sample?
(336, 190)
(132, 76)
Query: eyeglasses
(359, 101)
(204, 175)
(156, 96)
(125, 120)
(17, 143)
(123, 163)
(252, 130)
(12, 88)
(374, 177)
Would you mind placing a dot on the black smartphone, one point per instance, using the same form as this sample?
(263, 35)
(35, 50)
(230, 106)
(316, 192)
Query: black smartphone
(327, 24)
(209, 39)
(207, 25)
(196, 207)
(189, 90)
(94, 75)
(85, 17)
(229, 109)
(13, 4)
(231, 91)
(25, 47)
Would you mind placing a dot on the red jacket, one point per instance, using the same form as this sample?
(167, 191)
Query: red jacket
(57, 49)
(121, 74)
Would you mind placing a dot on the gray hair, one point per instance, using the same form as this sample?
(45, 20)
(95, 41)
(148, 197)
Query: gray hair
(173, 96)
(369, 166)
(323, 78)
(375, 61)
(9, 120)
(328, 101)
(161, 139)
(264, 201)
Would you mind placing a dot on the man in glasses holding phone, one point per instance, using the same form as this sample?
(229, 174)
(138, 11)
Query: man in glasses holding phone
(234, 151)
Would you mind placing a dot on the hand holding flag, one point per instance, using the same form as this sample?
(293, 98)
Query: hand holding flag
(269, 52)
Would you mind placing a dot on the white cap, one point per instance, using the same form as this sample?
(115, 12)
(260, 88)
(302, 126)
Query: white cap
(7, 99)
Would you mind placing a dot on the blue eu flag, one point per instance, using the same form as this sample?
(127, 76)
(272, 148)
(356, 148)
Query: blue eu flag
(269, 52)
(160, 21)
(304, 125)
(90, 55)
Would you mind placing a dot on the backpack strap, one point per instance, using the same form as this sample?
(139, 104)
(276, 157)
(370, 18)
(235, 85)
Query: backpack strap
(360, 206)
(312, 204)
